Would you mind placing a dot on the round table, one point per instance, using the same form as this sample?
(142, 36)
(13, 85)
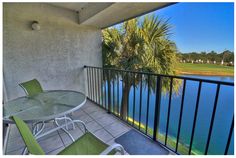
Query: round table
(43, 106)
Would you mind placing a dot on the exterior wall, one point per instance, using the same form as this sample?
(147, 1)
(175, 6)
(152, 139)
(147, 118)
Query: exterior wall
(55, 54)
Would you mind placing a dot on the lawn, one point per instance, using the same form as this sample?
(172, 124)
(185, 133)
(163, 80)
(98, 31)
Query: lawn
(205, 69)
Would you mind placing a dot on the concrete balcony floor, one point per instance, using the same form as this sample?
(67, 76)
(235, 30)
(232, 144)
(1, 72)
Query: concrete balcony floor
(105, 126)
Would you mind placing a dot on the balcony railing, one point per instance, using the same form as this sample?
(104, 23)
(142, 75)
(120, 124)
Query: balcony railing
(164, 106)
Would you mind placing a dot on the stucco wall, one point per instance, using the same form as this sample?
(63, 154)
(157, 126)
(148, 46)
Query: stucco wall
(55, 54)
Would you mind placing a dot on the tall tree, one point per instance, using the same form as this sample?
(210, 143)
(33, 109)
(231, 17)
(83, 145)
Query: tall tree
(139, 45)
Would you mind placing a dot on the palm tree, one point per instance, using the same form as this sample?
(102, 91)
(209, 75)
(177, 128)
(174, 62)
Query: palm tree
(139, 45)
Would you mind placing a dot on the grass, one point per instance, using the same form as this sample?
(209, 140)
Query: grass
(205, 69)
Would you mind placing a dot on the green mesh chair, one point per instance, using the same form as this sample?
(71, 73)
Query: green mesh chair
(88, 144)
(32, 87)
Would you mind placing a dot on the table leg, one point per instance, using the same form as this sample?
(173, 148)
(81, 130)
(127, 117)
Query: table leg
(73, 125)
(7, 131)
(66, 131)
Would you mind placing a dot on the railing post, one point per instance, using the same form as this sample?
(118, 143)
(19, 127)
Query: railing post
(148, 97)
(231, 131)
(113, 91)
(140, 101)
(134, 97)
(104, 85)
(95, 85)
(109, 92)
(118, 98)
(195, 117)
(157, 108)
(169, 108)
(101, 87)
(86, 82)
(92, 83)
(180, 115)
(212, 118)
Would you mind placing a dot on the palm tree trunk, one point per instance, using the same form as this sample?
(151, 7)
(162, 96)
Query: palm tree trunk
(124, 100)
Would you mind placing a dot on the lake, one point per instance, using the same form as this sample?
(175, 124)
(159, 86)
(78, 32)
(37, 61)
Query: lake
(223, 116)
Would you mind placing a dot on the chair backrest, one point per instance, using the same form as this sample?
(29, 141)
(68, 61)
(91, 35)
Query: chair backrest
(31, 87)
(30, 141)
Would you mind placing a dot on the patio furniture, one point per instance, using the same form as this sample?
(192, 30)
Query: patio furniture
(43, 107)
(88, 144)
(32, 88)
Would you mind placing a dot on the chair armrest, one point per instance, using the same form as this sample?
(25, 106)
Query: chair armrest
(60, 127)
(115, 146)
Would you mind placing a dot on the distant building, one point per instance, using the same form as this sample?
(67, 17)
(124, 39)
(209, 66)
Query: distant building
(222, 62)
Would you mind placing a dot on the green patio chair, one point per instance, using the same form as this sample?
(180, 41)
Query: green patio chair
(32, 87)
(88, 144)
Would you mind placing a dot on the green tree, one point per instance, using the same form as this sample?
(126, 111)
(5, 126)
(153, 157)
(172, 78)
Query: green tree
(212, 56)
(139, 45)
(226, 56)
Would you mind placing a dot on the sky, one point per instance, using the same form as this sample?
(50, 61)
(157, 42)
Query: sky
(201, 26)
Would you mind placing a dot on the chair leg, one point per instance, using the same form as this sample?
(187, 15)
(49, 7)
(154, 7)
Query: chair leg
(65, 122)
(121, 150)
(116, 147)
(24, 151)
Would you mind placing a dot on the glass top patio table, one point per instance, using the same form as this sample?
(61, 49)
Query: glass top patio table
(44, 106)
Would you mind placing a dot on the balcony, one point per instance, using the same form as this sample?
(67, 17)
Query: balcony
(104, 117)
(105, 126)
(179, 123)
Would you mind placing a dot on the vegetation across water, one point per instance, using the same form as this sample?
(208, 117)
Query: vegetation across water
(226, 56)
(205, 69)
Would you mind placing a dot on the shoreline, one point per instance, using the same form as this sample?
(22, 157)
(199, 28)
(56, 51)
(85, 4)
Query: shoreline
(204, 69)
(205, 73)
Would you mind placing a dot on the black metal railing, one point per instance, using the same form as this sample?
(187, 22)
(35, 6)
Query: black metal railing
(110, 89)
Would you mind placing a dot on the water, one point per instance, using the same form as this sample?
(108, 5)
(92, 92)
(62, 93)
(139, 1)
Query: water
(223, 116)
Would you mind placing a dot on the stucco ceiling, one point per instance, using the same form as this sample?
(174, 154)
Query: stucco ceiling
(79, 6)
(103, 15)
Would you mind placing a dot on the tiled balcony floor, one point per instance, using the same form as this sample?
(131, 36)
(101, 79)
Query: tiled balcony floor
(98, 121)
(105, 126)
